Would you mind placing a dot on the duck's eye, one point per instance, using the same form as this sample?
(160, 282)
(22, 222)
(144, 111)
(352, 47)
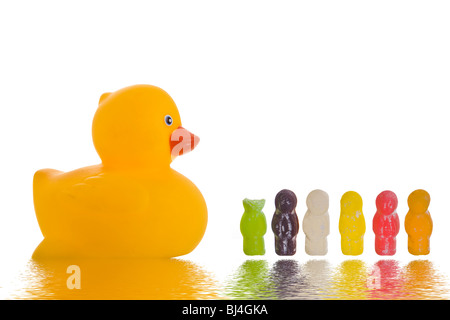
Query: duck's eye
(168, 120)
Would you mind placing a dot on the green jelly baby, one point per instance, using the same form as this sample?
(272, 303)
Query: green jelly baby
(253, 227)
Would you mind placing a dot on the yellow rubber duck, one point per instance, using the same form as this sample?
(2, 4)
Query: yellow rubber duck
(133, 204)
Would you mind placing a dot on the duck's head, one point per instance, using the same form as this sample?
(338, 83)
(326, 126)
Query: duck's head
(139, 127)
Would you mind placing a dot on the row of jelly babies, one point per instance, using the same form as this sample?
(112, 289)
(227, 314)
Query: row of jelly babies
(352, 227)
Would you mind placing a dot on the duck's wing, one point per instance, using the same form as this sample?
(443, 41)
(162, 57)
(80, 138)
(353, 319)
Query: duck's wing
(109, 194)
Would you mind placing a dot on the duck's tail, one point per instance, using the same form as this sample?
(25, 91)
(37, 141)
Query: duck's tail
(41, 179)
(41, 190)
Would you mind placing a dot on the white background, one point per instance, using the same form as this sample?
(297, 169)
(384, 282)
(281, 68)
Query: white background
(336, 95)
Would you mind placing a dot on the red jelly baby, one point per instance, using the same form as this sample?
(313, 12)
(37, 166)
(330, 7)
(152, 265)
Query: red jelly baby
(386, 224)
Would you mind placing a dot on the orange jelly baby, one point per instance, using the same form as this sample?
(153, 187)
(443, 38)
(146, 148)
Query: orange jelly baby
(132, 204)
(418, 223)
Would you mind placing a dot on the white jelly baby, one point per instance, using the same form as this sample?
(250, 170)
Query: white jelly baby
(316, 223)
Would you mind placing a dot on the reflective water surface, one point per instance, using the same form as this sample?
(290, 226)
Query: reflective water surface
(115, 279)
(351, 279)
(252, 279)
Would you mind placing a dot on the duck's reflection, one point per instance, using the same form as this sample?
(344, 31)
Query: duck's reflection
(117, 279)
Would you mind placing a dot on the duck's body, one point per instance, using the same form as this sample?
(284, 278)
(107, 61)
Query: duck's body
(118, 209)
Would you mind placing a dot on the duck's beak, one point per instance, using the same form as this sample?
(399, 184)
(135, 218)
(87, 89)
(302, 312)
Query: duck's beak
(182, 141)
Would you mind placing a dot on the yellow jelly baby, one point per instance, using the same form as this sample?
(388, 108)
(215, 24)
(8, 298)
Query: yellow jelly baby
(352, 225)
(132, 204)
